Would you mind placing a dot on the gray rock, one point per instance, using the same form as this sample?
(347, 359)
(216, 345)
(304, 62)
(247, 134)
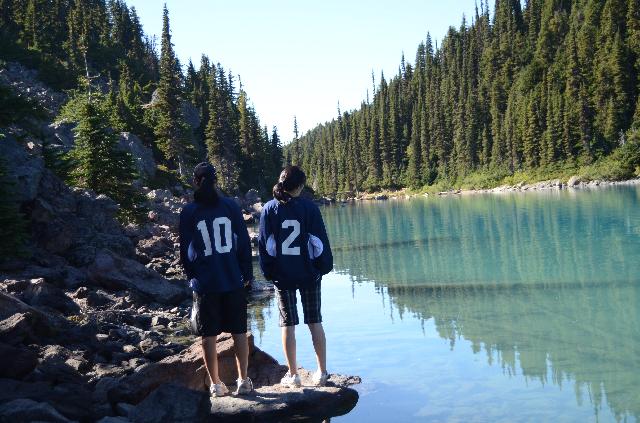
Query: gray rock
(62, 137)
(24, 170)
(574, 181)
(123, 408)
(71, 400)
(75, 223)
(55, 372)
(274, 403)
(107, 370)
(25, 82)
(150, 248)
(39, 293)
(73, 359)
(172, 404)
(23, 323)
(117, 273)
(159, 320)
(101, 389)
(143, 157)
(16, 362)
(26, 410)
(187, 369)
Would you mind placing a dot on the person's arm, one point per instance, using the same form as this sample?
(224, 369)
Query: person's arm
(265, 258)
(186, 229)
(323, 261)
(243, 245)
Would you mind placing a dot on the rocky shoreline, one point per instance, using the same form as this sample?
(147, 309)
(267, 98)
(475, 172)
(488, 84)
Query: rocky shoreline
(93, 321)
(93, 326)
(574, 183)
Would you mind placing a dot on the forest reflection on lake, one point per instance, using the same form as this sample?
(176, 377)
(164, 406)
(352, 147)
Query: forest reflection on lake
(544, 287)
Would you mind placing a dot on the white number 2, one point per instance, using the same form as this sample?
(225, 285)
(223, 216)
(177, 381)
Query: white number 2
(217, 239)
(286, 245)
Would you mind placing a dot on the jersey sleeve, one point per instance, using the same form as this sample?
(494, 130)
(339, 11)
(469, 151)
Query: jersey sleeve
(186, 229)
(324, 261)
(243, 245)
(266, 255)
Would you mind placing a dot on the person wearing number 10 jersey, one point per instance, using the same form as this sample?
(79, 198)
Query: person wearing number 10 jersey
(216, 254)
(294, 253)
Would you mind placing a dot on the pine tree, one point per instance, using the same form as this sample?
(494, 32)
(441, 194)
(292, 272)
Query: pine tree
(170, 128)
(99, 164)
(296, 149)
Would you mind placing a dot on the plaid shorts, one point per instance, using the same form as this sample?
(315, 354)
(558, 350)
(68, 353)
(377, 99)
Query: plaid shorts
(287, 304)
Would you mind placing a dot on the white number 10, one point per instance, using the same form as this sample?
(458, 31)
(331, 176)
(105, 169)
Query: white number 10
(217, 239)
(287, 250)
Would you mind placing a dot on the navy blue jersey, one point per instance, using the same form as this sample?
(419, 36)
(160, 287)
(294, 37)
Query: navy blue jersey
(214, 246)
(293, 245)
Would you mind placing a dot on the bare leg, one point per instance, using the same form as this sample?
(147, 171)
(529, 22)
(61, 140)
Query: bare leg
(319, 345)
(289, 346)
(241, 347)
(210, 356)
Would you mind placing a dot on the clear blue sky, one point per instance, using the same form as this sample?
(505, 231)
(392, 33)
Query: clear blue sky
(298, 57)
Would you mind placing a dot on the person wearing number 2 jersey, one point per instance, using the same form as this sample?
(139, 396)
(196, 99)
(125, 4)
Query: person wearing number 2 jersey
(216, 254)
(295, 253)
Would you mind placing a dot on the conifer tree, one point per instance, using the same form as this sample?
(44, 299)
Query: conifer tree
(170, 128)
(99, 164)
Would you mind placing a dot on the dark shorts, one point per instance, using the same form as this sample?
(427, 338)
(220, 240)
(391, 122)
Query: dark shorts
(223, 312)
(287, 304)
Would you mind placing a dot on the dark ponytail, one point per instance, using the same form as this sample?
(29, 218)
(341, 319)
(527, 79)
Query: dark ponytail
(204, 175)
(291, 178)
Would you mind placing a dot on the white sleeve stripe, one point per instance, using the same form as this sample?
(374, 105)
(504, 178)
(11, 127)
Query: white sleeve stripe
(315, 247)
(271, 246)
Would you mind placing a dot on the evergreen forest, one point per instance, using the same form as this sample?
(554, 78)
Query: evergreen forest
(97, 51)
(531, 90)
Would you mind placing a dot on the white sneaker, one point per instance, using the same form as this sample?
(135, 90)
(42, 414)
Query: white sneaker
(320, 378)
(245, 386)
(218, 390)
(289, 381)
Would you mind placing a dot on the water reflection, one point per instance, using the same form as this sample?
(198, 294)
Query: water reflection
(545, 285)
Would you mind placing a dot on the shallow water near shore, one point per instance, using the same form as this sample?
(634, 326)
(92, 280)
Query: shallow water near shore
(497, 307)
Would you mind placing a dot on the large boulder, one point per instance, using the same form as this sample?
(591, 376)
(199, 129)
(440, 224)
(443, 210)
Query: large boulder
(75, 223)
(72, 401)
(24, 170)
(20, 328)
(41, 294)
(275, 403)
(187, 369)
(27, 410)
(172, 404)
(17, 362)
(118, 273)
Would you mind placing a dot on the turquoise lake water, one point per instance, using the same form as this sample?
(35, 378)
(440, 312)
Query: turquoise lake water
(520, 307)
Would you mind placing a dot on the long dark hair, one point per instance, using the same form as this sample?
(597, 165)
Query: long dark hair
(291, 177)
(204, 175)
